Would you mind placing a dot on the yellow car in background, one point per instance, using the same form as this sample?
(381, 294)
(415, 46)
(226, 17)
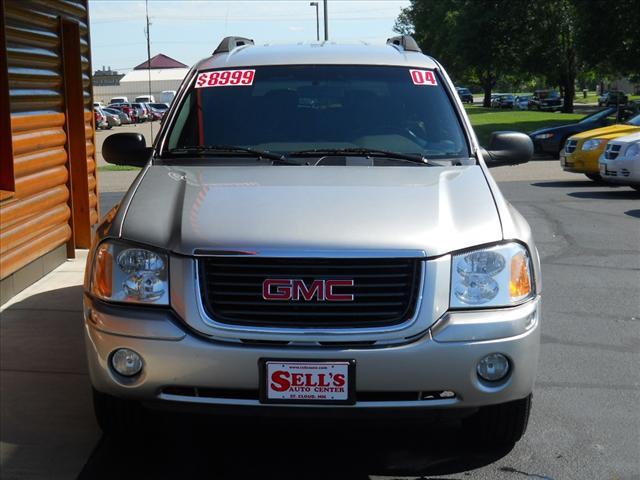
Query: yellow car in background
(582, 151)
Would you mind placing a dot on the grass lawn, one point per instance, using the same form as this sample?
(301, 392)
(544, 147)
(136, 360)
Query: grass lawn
(116, 168)
(487, 120)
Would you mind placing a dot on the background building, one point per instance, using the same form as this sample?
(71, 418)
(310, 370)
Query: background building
(165, 72)
(48, 195)
(106, 78)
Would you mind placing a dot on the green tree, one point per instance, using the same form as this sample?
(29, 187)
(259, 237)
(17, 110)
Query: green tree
(550, 28)
(609, 35)
(476, 40)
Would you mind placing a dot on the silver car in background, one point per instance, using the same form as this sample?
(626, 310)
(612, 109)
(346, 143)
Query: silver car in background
(620, 161)
(315, 232)
(124, 118)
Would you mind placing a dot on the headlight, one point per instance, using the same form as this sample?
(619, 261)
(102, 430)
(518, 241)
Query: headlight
(124, 273)
(591, 144)
(633, 152)
(543, 136)
(498, 276)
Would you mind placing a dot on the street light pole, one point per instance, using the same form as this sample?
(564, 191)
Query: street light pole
(146, 7)
(315, 4)
(326, 22)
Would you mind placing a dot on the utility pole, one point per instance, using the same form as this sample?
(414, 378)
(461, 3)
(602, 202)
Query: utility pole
(326, 22)
(315, 4)
(146, 6)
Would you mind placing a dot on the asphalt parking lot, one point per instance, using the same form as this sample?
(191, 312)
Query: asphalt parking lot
(585, 422)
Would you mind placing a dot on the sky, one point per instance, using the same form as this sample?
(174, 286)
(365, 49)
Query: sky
(190, 30)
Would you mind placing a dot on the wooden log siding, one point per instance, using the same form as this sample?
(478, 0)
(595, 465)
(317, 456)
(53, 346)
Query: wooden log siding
(37, 218)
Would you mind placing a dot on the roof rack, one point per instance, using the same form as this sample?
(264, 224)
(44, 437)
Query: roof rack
(406, 42)
(229, 43)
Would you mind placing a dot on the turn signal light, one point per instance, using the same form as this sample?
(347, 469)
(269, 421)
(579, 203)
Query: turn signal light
(103, 275)
(520, 283)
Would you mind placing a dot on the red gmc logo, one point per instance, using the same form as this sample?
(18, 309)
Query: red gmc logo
(295, 289)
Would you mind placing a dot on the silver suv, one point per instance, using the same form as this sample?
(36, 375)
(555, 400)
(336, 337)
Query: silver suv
(315, 231)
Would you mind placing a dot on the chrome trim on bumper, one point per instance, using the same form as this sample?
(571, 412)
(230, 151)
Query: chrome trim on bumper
(448, 402)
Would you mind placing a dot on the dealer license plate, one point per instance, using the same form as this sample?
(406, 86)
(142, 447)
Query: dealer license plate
(563, 161)
(307, 381)
(603, 169)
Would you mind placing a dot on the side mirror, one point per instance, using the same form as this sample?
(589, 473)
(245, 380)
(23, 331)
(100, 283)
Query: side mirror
(508, 148)
(126, 149)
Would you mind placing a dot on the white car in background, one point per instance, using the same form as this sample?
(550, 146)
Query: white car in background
(620, 162)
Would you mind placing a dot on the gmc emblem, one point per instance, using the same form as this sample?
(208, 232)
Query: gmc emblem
(295, 289)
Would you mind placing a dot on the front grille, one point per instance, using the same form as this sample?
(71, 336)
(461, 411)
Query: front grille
(570, 146)
(612, 151)
(385, 291)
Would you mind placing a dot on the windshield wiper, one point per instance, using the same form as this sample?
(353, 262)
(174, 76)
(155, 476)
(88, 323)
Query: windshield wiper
(364, 152)
(209, 149)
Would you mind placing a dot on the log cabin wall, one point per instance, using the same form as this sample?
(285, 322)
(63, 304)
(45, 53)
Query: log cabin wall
(48, 188)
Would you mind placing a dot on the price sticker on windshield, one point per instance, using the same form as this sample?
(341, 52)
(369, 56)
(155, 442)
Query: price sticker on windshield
(225, 78)
(423, 77)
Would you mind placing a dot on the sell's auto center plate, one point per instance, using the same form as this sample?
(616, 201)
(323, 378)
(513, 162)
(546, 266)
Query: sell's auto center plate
(307, 381)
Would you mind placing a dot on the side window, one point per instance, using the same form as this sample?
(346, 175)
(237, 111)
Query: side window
(185, 125)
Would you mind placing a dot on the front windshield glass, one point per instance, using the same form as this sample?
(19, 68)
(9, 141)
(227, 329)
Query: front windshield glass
(597, 116)
(635, 121)
(284, 109)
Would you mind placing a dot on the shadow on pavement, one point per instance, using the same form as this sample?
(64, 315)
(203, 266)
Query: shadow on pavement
(633, 213)
(47, 426)
(567, 184)
(607, 194)
(198, 449)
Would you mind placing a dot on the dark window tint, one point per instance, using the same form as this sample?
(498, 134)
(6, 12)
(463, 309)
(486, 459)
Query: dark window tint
(289, 108)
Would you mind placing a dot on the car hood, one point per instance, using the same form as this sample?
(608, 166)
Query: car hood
(282, 209)
(631, 138)
(611, 131)
(567, 128)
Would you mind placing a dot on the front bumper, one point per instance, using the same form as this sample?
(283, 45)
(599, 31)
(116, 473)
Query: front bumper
(581, 161)
(547, 146)
(621, 171)
(179, 364)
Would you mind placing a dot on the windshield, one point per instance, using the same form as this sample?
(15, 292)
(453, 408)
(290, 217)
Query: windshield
(597, 116)
(634, 121)
(287, 109)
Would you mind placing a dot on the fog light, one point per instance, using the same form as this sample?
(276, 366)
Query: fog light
(126, 362)
(493, 367)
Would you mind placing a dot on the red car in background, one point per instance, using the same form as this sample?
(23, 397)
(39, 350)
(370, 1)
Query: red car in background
(129, 110)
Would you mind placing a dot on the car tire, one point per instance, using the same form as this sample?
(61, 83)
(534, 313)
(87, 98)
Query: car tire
(502, 424)
(116, 415)
(595, 177)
